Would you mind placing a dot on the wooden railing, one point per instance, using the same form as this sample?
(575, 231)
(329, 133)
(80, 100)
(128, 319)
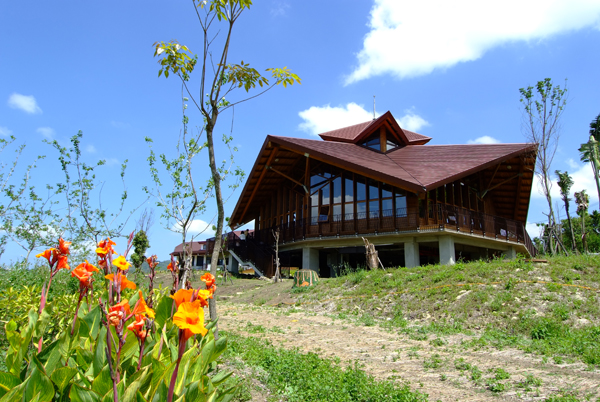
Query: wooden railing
(438, 218)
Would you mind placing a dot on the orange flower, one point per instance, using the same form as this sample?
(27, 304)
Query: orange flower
(105, 246)
(63, 246)
(82, 274)
(152, 261)
(209, 279)
(203, 296)
(121, 263)
(125, 283)
(63, 262)
(137, 326)
(88, 267)
(49, 254)
(118, 312)
(142, 308)
(182, 296)
(190, 317)
(170, 266)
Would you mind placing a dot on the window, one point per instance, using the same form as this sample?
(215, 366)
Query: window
(199, 260)
(373, 143)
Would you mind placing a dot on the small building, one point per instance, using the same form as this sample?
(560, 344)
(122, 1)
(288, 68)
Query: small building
(417, 203)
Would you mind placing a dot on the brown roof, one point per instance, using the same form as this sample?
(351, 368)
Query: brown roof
(414, 167)
(195, 248)
(357, 132)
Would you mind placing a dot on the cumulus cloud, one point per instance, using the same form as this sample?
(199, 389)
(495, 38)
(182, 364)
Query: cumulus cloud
(532, 229)
(486, 139)
(5, 132)
(414, 38)
(46, 132)
(23, 102)
(412, 121)
(583, 179)
(201, 230)
(91, 149)
(318, 120)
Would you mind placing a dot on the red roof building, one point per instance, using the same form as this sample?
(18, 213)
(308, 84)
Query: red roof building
(417, 203)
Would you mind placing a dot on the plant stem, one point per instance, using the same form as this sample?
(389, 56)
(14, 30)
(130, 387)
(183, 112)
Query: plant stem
(182, 343)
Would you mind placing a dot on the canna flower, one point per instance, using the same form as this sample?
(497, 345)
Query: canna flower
(182, 296)
(49, 254)
(190, 318)
(142, 308)
(88, 267)
(104, 247)
(63, 246)
(170, 266)
(118, 312)
(121, 263)
(83, 275)
(63, 262)
(209, 279)
(152, 261)
(137, 327)
(125, 283)
(203, 296)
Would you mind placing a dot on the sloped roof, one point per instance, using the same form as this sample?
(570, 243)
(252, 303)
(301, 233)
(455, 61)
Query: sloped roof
(355, 133)
(195, 245)
(415, 167)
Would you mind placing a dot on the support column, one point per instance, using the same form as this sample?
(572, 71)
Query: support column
(411, 254)
(511, 253)
(310, 259)
(447, 252)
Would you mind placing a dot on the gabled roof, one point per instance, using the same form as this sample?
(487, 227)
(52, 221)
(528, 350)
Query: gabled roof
(413, 167)
(196, 248)
(358, 132)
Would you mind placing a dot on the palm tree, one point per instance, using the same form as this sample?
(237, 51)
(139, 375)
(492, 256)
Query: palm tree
(583, 201)
(565, 182)
(590, 151)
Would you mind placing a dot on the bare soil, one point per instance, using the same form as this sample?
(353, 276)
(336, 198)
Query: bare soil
(258, 308)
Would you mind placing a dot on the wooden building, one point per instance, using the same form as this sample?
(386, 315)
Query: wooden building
(417, 203)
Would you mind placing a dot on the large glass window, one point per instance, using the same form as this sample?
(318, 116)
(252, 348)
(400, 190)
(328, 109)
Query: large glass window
(400, 203)
(361, 189)
(348, 190)
(373, 142)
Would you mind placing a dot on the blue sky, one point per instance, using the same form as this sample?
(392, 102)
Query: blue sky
(449, 70)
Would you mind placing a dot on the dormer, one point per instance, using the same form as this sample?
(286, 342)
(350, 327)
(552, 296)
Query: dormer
(382, 135)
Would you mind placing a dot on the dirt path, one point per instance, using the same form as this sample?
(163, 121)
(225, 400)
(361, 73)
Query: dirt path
(428, 368)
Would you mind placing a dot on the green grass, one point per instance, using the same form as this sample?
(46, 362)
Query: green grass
(544, 309)
(295, 376)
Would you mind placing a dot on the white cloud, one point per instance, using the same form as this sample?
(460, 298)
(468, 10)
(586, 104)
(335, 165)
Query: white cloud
(5, 132)
(46, 132)
(319, 120)
(532, 229)
(200, 229)
(24, 102)
(91, 149)
(413, 38)
(112, 162)
(486, 139)
(583, 179)
(572, 163)
(279, 9)
(412, 121)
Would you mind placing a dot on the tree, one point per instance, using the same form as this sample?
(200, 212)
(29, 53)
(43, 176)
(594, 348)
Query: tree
(590, 151)
(216, 81)
(583, 201)
(140, 245)
(565, 182)
(543, 111)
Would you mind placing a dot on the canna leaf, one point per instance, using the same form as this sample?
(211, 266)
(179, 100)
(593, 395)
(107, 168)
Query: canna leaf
(62, 376)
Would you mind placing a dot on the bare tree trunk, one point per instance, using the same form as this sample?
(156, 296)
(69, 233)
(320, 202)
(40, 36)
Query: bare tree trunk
(277, 276)
(212, 304)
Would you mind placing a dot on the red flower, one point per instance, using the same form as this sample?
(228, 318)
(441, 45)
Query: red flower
(118, 312)
(63, 246)
(209, 279)
(137, 326)
(50, 255)
(83, 275)
(63, 262)
(105, 247)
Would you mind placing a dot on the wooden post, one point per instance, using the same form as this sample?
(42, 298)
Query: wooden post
(371, 254)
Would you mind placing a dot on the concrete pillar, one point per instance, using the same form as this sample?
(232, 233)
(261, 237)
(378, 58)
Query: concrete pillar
(447, 253)
(511, 253)
(234, 267)
(411, 254)
(310, 259)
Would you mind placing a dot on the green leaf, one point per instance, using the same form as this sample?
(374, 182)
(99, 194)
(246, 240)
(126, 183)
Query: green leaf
(7, 382)
(103, 382)
(81, 394)
(62, 376)
(15, 394)
(220, 377)
(100, 354)
(39, 383)
(163, 311)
